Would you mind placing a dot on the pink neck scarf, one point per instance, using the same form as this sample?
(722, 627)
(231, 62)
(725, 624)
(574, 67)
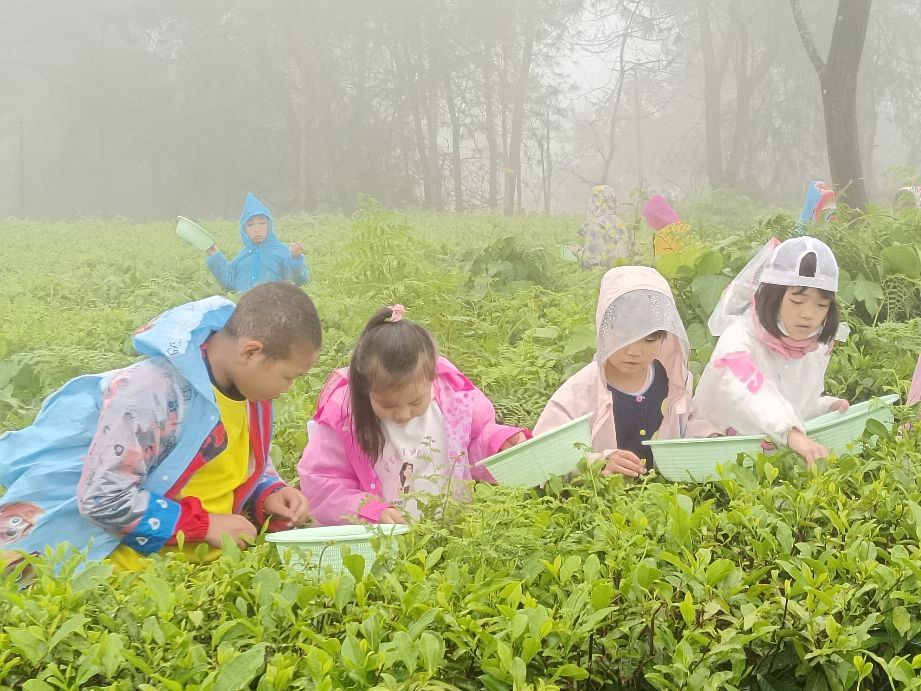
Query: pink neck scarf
(786, 347)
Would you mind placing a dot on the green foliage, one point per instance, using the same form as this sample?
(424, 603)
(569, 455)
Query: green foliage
(775, 578)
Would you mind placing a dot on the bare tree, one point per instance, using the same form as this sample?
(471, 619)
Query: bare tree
(838, 80)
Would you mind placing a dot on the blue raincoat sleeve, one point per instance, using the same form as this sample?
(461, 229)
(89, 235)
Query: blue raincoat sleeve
(298, 272)
(138, 426)
(222, 270)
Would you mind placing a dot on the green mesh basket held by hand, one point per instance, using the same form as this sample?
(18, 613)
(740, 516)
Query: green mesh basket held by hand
(534, 461)
(696, 460)
(193, 233)
(324, 547)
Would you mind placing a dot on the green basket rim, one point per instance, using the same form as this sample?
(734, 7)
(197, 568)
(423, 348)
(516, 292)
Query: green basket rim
(538, 440)
(855, 411)
(335, 533)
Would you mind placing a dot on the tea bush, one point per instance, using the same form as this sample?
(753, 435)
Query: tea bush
(774, 578)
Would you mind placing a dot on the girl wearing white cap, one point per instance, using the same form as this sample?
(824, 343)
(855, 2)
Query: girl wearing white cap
(776, 323)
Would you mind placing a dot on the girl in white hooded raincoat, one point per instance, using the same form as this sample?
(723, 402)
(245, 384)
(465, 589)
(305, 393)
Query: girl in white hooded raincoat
(776, 324)
(639, 375)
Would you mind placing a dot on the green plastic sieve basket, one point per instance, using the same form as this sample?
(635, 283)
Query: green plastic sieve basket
(534, 461)
(324, 547)
(696, 460)
(193, 233)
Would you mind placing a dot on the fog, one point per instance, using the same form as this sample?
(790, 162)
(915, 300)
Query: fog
(147, 110)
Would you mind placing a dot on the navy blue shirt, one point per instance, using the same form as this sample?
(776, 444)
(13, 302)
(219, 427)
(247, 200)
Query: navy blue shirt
(638, 417)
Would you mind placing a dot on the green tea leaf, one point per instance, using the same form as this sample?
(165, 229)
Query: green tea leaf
(240, 671)
(901, 620)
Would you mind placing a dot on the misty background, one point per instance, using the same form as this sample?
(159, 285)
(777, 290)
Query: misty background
(150, 109)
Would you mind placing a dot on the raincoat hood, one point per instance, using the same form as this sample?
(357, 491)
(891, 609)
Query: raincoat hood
(178, 334)
(624, 279)
(605, 238)
(659, 213)
(635, 301)
(253, 207)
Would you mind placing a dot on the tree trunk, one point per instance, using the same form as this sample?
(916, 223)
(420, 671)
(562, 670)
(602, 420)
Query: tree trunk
(408, 78)
(434, 110)
(714, 71)
(490, 126)
(434, 154)
(749, 74)
(513, 166)
(547, 164)
(838, 79)
(608, 156)
(457, 168)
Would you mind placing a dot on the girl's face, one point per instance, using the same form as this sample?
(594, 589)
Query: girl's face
(802, 312)
(634, 359)
(403, 402)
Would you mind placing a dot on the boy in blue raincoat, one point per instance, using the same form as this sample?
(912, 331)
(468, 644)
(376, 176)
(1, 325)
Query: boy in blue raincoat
(120, 464)
(264, 257)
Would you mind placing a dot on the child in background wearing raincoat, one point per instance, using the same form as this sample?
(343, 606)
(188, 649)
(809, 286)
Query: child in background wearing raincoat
(776, 324)
(638, 387)
(604, 236)
(122, 464)
(264, 258)
(819, 205)
(671, 233)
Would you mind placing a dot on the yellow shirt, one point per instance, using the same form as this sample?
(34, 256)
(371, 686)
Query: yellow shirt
(214, 483)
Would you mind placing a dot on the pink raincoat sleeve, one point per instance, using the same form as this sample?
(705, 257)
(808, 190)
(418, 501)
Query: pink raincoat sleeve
(330, 483)
(555, 414)
(486, 435)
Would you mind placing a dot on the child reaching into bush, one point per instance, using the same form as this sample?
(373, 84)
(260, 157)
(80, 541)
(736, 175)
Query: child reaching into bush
(638, 387)
(124, 463)
(264, 258)
(399, 419)
(776, 323)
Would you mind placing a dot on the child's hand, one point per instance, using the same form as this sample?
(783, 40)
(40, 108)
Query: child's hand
(288, 504)
(841, 406)
(237, 527)
(624, 462)
(810, 450)
(512, 441)
(391, 515)
(297, 250)
(212, 250)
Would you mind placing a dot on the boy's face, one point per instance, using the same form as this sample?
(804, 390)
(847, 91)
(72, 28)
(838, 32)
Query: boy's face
(259, 378)
(257, 229)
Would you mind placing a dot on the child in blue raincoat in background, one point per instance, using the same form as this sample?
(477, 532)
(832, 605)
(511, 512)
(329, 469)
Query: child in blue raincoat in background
(264, 258)
(819, 205)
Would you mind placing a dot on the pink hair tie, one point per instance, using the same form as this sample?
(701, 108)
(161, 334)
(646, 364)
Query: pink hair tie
(396, 313)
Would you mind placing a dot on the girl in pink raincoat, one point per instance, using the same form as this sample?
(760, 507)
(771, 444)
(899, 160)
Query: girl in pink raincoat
(639, 377)
(399, 420)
